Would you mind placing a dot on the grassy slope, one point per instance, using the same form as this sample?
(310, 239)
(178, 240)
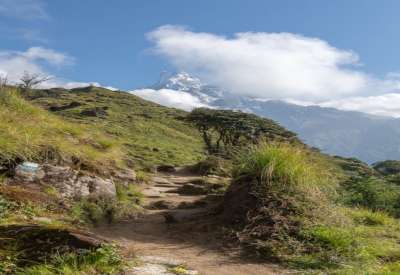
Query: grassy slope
(300, 219)
(149, 133)
(133, 129)
(31, 133)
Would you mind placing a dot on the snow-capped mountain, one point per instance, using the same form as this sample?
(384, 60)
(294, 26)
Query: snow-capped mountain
(186, 83)
(352, 134)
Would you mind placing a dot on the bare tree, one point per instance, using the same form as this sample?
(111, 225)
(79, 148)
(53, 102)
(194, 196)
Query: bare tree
(29, 80)
(3, 82)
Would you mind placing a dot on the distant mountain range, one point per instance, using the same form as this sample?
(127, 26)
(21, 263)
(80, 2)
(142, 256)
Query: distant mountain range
(350, 134)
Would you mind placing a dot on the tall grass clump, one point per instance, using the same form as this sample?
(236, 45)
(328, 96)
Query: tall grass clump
(277, 191)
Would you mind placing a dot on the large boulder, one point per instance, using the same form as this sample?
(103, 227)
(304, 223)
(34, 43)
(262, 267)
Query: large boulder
(67, 181)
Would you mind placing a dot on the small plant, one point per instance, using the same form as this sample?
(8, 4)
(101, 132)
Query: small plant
(142, 177)
(103, 260)
(97, 210)
(178, 270)
(6, 207)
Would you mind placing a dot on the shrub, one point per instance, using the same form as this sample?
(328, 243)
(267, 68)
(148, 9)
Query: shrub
(373, 193)
(106, 209)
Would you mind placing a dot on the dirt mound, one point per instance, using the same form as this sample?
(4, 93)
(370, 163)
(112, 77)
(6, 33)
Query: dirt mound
(260, 217)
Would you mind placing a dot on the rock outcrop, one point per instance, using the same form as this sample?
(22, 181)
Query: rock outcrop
(67, 181)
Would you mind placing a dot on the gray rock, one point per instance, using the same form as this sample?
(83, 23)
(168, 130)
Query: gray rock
(125, 176)
(98, 186)
(67, 181)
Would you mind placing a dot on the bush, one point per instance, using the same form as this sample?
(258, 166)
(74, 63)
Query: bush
(373, 193)
(105, 209)
(96, 210)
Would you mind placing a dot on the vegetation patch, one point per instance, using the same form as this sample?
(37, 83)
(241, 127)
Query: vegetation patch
(283, 205)
(32, 249)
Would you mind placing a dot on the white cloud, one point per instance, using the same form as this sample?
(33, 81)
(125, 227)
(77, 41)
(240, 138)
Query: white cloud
(13, 64)
(268, 65)
(170, 98)
(285, 66)
(23, 9)
(385, 105)
(49, 55)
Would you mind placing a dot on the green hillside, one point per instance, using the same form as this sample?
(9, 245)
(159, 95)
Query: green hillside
(285, 202)
(149, 134)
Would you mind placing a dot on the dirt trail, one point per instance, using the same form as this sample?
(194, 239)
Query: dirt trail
(167, 238)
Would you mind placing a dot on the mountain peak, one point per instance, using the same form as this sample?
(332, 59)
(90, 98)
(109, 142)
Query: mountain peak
(181, 81)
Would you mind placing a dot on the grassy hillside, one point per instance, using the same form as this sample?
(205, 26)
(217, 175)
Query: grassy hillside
(28, 132)
(287, 202)
(147, 133)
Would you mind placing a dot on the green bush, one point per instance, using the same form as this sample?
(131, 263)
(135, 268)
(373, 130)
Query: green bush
(373, 193)
(95, 210)
(106, 209)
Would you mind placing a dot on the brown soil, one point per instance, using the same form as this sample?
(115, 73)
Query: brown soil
(174, 236)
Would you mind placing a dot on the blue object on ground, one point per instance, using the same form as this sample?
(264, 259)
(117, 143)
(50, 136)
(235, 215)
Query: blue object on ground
(29, 166)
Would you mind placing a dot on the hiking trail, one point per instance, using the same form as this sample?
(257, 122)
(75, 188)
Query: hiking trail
(170, 237)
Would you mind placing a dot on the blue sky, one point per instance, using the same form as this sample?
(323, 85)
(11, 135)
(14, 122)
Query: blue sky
(106, 41)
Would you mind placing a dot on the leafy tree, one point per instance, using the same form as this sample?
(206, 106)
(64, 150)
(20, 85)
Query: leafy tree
(226, 129)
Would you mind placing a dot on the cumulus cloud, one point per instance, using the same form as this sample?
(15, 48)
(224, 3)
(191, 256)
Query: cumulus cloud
(15, 63)
(35, 60)
(170, 98)
(285, 66)
(266, 65)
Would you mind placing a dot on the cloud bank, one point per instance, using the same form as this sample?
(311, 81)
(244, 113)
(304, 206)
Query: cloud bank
(281, 66)
(170, 98)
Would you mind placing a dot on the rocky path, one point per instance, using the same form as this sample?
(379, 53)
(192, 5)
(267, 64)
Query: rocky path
(172, 238)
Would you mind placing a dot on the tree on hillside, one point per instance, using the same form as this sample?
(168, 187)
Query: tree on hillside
(3, 81)
(31, 80)
(223, 130)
